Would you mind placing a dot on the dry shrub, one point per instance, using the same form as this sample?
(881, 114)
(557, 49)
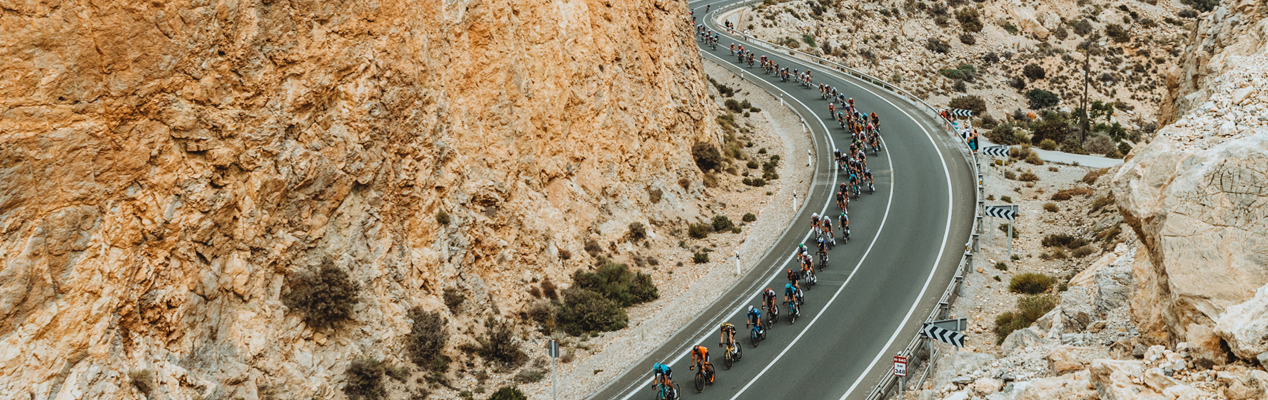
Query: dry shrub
(1033, 158)
(1067, 194)
(1083, 251)
(1030, 283)
(593, 248)
(498, 344)
(1028, 177)
(549, 289)
(426, 339)
(1050, 207)
(325, 295)
(710, 180)
(453, 299)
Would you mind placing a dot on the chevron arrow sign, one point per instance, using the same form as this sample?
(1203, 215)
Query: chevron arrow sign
(961, 113)
(1005, 212)
(943, 335)
(998, 151)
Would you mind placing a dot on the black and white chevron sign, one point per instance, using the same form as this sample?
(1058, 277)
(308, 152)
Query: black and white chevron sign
(943, 335)
(961, 113)
(1005, 212)
(998, 151)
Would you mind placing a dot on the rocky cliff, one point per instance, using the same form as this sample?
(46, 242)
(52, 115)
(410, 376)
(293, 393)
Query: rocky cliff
(165, 165)
(1220, 41)
(1197, 196)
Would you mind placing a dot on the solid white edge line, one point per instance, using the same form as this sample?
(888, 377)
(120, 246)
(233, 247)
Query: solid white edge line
(946, 234)
(832, 144)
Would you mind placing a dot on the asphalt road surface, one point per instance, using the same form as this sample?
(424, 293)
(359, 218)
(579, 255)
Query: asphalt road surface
(907, 238)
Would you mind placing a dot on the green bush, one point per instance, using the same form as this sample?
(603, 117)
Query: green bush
(616, 282)
(1030, 283)
(722, 223)
(587, 311)
(1201, 5)
(1006, 199)
(1006, 134)
(1118, 33)
(749, 217)
(699, 231)
(453, 299)
(1029, 309)
(1057, 240)
(700, 257)
(1048, 144)
(810, 40)
(706, 155)
(732, 105)
(1082, 27)
(1041, 99)
(1035, 306)
(364, 380)
(1033, 158)
(968, 39)
(638, 231)
(426, 339)
(325, 295)
(752, 164)
(1001, 266)
(442, 217)
(508, 393)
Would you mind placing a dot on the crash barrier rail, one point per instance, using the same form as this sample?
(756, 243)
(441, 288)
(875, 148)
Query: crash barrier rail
(919, 351)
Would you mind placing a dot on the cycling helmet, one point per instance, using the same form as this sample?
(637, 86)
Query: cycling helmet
(788, 286)
(750, 308)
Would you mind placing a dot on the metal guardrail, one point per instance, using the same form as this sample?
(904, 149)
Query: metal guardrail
(886, 387)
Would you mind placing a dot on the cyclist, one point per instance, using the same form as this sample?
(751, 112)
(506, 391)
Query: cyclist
(728, 335)
(814, 223)
(790, 292)
(867, 175)
(768, 298)
(754, 318)
(823, 248)
(827, 231)
(732, 48)
(699, 357)
(844, 221)
(706, 7)
(842, 200)
(801, 249)
(663, 375)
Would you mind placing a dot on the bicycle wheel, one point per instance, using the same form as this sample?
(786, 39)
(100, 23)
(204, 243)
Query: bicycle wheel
(753, 337)
(727, 359)
(708, 367)
(700, 380)
(739, 353)
(676, 391)
(663, 393)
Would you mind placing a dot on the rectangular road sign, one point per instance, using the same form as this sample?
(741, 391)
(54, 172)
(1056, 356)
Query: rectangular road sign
(900, 366)
(552, 348)
(958, 325)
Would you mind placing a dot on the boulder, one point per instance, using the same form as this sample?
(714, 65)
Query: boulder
(1020, 339)
(1073, 386)
(959, 364)
(1204, 345)
(1114, 284)
(1115, 380)
(1245, 326)
(986, 386)
(1197, 211)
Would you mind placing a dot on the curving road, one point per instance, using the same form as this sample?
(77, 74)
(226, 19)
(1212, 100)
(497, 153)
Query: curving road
(907, 238)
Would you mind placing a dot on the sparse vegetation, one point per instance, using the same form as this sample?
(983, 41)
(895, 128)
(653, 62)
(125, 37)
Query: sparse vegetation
(749, 217)
(721, 223)
(508, 393)
(453, 299)
(426, 339)
(1029, 309)
(1050, 207)
(638, 231)
(143, 379)
(1040, 99)
(973, 103)
(1048, 144)
(699, 231)
(1067, 194)
(1030, 283)
(700, 257)
(615, 281)
(937, 46)
(497, 344)
(969, 19)
(442, 217)
(706, 155)
(1034, 72)
(325, 295)
(364, 380)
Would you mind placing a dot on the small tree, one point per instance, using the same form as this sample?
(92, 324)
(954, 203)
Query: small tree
(325, 295)
(1040, 99)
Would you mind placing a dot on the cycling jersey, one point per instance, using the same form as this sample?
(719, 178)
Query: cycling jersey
(754, 316)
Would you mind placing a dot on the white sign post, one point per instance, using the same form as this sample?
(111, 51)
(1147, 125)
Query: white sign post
(552, 349)
(900, 370)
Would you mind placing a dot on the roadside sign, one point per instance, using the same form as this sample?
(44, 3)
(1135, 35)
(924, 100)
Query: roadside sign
(900, 366)
(552, 348)
(943, 335)
(958, 325)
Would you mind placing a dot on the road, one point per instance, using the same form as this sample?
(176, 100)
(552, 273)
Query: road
(907, 238)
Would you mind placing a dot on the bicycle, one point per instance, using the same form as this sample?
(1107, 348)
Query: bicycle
(823, 263)
(732, 353)
(704, 375)
(754, 335)
(665, 392)
(794, 311)
(773, 312)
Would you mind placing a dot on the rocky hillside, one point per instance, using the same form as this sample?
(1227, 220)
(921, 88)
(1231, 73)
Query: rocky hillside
(178, 177)
(1017, 59)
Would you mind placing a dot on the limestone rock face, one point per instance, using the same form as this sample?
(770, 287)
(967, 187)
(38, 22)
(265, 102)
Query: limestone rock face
(165, 165)
(1222, 40)
(1245, 327)
(1200, 215)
